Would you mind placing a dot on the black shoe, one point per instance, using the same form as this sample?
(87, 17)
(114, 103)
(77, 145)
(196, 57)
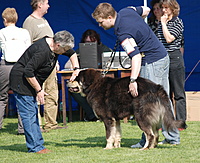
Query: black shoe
(91, 120)
(20, 133)
(94, 119)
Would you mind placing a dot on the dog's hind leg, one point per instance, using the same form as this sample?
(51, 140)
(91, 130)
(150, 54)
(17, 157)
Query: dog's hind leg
(156, 137)
(110, 125)
(150, 139)
(156, 133)
(117, 143)
(148, 132)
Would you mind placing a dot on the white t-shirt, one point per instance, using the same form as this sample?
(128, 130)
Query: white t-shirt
(14, 33)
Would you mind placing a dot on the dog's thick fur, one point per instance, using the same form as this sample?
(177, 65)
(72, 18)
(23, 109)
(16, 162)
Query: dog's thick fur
(111, 102)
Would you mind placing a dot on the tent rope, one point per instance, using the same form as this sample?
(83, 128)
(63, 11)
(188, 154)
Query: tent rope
(192, 70)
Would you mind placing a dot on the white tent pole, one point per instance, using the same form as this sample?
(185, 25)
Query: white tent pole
(145, 2)
(145, 5)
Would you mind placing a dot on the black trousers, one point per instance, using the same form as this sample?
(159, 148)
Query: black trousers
(177, 84)
(86, 107)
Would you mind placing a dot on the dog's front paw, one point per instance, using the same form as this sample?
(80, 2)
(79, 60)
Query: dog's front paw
(142, 149)
(108, 148)
(117, 145)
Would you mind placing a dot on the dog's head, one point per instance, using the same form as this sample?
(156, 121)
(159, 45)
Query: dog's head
(75, 87)
(84, 80)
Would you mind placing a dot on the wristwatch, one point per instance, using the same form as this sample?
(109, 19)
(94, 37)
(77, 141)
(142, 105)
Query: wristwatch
(132, 80)
(39, 91)
(76, 68)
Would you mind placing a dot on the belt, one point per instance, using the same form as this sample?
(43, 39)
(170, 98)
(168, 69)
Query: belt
(142, 54)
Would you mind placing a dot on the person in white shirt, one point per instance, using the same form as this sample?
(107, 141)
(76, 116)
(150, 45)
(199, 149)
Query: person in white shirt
(10, 54)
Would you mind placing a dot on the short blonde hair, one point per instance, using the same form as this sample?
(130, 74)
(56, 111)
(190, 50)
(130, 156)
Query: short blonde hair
(173, 5)
(104, 10)
(10, 15)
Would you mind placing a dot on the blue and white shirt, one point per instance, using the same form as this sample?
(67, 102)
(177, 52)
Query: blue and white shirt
(175, 27)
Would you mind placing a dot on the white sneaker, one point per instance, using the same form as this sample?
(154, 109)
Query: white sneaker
(138, 145)
(165, 142)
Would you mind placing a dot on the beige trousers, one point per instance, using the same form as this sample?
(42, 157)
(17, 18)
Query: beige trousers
(50, 86)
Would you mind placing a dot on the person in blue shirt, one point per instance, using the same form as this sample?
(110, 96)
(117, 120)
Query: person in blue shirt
(148, 56)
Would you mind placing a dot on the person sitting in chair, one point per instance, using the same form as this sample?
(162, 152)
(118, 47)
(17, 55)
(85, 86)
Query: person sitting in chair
(88, 36)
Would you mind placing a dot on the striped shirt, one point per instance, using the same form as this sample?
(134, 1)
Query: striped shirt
(175, 27)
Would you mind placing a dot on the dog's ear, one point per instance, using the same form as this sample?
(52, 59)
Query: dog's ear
(89, 76)
(94, 74)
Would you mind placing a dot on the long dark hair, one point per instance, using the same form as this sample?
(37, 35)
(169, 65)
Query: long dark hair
(94, 36)
(152, 17)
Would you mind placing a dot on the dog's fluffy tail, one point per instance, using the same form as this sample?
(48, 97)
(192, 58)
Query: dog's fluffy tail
(169, 121)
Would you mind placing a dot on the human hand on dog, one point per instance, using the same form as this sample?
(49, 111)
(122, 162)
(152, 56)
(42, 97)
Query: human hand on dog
(133, 89)
(74, 75)
(40, 96)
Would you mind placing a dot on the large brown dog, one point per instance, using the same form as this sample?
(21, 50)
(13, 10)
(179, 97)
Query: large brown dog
(111, 101)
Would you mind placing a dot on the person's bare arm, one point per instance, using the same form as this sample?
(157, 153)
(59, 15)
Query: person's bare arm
(168, 36)
(145, 12)
(135, 69)
(75, 65)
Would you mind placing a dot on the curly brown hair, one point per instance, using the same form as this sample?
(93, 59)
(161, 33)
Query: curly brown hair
(173, 5)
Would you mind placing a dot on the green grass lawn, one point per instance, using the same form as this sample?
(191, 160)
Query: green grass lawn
(83, 142)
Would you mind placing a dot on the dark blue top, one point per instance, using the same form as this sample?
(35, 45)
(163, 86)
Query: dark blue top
(130, 24)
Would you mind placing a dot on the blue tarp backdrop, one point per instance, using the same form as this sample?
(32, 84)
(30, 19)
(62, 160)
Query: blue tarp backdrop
(75, 16)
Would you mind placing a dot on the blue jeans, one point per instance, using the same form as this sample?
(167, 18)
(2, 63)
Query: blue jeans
(158, 72)
(28, 110)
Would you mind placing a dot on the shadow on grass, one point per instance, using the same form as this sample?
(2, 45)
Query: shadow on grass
(98, 142)
(15, 147)
(90, 142)
(10, 128)
(87, 144)
(80, 143)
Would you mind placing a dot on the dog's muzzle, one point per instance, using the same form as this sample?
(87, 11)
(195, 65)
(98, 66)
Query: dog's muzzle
(73, 90)
(74, 87)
